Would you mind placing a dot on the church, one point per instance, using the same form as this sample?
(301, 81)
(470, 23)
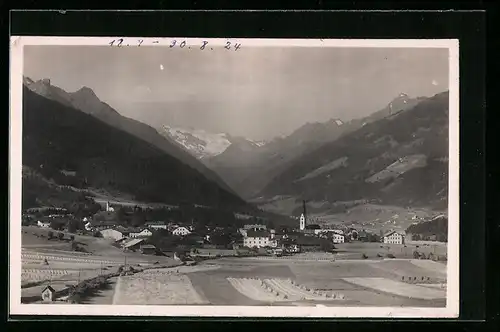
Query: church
(303, 226)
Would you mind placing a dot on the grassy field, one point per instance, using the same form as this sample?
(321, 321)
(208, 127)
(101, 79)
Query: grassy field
(352, 278)
(51, 262)
(373, 249)
(375, 281)
(156, 288)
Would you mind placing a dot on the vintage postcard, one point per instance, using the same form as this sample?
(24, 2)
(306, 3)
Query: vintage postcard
(234, 177)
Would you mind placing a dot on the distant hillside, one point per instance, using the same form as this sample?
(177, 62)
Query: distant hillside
(86, 101)
(249, 170)
(65, 144)
(437, 226)
(400, 160)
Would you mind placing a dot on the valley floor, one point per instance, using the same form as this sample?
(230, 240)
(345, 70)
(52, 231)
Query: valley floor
(304, 279)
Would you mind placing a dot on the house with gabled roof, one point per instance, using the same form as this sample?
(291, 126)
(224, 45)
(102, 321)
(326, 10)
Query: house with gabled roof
(257, 238)
(394, 237)
(48, 294)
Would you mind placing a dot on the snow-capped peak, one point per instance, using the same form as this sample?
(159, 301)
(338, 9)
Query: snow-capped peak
(259, 143)
(199, 142)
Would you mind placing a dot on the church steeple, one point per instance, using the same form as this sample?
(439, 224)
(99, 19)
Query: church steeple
(303, 216)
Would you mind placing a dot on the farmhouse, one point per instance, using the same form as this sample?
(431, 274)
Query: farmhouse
(338, 238)
(257, 238)
(394, 237)
(309, 243)
(181, 231)
(144, 233)
(111, 234)
(148, 249)
(132, 244)
(156, 225)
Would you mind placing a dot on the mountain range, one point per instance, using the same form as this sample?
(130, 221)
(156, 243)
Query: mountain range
(203, 144)
(86, 101)
(396, 156)
(248, 169)
(401, 160)
(73, 137)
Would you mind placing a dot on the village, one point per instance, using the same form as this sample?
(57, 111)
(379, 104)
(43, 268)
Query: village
(69, 258)
(178, 239)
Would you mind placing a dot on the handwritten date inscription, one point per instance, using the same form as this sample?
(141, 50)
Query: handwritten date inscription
(175, 44)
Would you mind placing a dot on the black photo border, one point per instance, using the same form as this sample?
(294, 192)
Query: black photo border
(468, 27)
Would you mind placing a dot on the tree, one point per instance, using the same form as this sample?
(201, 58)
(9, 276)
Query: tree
(442, 238)
(73, 226)
(57, 224)
(138, 219)
(416, 254)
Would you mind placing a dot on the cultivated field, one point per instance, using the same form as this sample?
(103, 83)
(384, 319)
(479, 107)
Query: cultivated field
(156, 288)
(279, 290)
(374, 250)
(45, 262)
(395, 282)
(336, 279)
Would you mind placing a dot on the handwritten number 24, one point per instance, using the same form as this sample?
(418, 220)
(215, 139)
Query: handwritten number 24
(228, 46)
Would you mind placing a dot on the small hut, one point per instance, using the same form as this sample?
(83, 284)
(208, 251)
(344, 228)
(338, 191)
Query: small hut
(48, 294)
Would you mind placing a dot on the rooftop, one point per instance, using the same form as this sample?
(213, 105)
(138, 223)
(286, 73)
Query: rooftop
(156, 223)
(252, 233)
(392, 232)
(132, 243)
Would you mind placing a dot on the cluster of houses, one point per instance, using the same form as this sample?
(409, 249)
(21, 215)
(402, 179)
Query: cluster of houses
(112, 230)
(305, 237)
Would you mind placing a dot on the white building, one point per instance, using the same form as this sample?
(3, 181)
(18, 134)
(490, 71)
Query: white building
(144, 233)
(181, 231)
(338, 238)
(302, 224)
(111, 234)
(109, 208)
(258, 239)
(394, 237)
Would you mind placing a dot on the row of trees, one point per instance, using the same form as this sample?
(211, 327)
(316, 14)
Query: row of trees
(137, 216)
(433, 237)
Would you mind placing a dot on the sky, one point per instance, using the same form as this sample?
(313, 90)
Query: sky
(255, 92)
